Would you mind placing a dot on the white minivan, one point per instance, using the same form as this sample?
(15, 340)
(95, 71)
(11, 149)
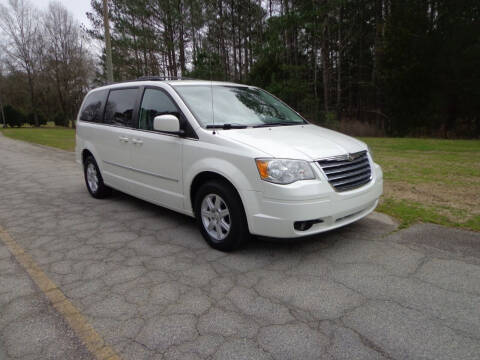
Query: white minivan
(233, 156)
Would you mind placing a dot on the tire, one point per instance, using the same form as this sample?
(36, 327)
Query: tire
(213, 201)
(94, 180)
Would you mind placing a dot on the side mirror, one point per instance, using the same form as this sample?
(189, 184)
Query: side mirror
(167, 123)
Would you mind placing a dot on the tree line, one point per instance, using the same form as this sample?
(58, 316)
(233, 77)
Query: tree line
(367, 67)
(45, 66)
(394, 67)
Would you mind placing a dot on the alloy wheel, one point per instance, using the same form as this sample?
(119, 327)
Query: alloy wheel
(92, 177)
(216, 217)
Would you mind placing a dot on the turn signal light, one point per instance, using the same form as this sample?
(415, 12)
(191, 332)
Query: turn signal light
(262, 166)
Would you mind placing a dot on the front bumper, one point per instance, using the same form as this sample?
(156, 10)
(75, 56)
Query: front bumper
(274, 211)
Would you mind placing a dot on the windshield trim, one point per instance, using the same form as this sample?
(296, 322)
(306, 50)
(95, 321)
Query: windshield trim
(204, 127)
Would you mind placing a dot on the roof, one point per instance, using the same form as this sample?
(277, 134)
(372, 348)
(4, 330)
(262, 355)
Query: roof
(203, 82)
(172, 82)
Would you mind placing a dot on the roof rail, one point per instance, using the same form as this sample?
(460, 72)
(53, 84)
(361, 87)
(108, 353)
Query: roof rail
(161, 78)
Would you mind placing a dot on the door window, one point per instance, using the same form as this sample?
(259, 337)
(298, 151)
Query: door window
(154, 102)
(120, 106)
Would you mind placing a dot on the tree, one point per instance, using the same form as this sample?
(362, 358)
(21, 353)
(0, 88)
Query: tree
(66, 61)
(24, 43)
(108, 44)
(45, 61)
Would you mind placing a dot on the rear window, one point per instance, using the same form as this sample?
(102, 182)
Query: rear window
(120, 107)
(93, 106)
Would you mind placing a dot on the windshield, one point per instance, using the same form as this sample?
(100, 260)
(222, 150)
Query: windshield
(236, 106)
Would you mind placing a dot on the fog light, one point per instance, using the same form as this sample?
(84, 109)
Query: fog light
(305, 225)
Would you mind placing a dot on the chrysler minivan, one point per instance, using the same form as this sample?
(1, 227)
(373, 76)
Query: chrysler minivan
(233, 156)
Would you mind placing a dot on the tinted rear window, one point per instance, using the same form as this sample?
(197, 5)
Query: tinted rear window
(120, 107)
(93, 106)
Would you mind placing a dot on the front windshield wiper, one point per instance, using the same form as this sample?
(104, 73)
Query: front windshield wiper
(227, 126)
(279, 123)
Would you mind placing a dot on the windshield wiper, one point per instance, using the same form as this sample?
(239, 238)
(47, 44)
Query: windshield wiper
(279, 123)
(227, 126)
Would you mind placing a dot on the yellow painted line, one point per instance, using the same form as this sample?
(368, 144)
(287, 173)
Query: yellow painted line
(85, 332)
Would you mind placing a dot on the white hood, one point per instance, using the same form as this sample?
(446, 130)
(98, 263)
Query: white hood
(307, 142)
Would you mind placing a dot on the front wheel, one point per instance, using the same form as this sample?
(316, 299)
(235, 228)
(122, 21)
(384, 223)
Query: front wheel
(220, 216)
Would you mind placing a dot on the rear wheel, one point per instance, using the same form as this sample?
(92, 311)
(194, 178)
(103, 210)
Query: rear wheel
(94, 180)
(220, 216)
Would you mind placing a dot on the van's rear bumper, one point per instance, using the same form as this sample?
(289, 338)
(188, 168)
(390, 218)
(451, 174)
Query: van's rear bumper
(274, 217)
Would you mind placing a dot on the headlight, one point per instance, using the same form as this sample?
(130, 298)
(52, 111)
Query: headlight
(284, 171)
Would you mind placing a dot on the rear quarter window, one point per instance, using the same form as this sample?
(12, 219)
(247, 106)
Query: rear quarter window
(92, 109)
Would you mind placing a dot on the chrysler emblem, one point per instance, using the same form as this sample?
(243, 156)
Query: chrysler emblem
(351, 157)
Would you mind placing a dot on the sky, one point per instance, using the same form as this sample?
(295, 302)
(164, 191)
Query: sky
(77, 8)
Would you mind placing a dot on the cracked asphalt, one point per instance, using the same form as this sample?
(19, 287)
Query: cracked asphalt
(151, 287)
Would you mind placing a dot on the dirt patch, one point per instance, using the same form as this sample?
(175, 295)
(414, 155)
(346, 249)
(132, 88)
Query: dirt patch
(459, 204)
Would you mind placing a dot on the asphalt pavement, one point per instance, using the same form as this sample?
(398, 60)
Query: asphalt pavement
(146, 281)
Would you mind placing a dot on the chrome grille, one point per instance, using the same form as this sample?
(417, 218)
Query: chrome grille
(347, 172)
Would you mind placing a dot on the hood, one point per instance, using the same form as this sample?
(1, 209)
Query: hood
(306, 142)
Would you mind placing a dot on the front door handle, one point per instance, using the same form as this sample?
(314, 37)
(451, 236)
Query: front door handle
(123, 138)
(137, 141)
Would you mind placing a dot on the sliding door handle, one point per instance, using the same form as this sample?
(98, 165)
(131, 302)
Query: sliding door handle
(137, 141)
(123, 138)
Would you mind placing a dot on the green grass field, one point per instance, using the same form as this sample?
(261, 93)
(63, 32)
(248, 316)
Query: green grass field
(58, 137)
(430, 180)
(426, 180)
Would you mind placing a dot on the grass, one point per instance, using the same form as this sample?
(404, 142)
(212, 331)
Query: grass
(430, 180)
(426, 180)
(58, 137)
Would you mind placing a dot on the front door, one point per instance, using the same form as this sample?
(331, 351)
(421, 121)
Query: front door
(156, 156)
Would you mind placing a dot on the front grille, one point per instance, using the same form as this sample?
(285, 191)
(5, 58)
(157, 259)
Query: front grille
(347, 172)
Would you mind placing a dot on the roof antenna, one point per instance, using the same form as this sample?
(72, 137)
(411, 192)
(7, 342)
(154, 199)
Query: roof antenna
(211, 94)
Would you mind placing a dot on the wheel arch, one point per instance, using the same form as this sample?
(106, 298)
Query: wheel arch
(216, 168)
(85, 154)
(205, 176)
(89, 149)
